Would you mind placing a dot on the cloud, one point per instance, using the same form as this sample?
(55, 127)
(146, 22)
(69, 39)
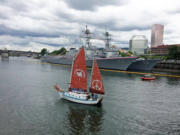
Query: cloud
(53, 24)
(21, 43)
(4, 30)
(92, 4)
(31, 46)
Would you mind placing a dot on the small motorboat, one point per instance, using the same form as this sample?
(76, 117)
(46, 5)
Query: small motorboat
(148, 77)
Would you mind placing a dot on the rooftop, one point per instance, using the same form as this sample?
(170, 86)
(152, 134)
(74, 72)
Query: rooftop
(138, 37)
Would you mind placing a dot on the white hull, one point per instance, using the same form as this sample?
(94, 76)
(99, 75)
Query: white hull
(79, 98)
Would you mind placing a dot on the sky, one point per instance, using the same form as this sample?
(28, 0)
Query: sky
(31, 25)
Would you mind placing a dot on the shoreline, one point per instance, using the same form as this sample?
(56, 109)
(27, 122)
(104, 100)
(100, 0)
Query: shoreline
(166, 70)
(168, 66)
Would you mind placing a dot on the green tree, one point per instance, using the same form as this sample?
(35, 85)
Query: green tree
(174, 52)
(44, 51)
(123, 54)
(61, 51)
(178, 52)
(130, 52)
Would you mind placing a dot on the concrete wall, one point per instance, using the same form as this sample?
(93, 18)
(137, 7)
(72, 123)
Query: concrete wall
(169, 64)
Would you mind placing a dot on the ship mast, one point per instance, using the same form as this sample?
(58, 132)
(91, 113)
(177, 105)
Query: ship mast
(87, 36)
(107, 40)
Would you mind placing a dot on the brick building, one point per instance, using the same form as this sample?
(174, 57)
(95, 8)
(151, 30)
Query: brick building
(161, 49)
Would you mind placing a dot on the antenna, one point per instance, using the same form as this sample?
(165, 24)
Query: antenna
(87, 36)
(107, 39)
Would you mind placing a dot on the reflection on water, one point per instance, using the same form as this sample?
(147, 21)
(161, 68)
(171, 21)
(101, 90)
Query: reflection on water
(83, 119)
(173, 81)
(4, 59)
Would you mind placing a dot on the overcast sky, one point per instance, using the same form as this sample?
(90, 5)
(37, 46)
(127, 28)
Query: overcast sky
(36, 24)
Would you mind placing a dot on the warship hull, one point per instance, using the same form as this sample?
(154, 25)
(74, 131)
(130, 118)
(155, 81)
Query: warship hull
(142, 65)
(118, 63)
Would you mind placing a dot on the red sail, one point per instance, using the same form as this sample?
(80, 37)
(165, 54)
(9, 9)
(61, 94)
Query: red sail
(96, 80)
(79, 74)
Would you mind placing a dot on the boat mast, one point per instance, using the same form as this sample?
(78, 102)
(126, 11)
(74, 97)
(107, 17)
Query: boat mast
(92, 71)
(72, 70)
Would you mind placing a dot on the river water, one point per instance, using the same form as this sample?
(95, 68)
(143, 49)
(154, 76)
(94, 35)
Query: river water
(30, 106)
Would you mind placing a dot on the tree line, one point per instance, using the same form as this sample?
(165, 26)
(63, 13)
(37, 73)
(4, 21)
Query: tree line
(174, 52)
(61, 51)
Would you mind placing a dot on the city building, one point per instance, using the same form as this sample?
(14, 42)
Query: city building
(157, 35)
(161, 49)
(138, 44)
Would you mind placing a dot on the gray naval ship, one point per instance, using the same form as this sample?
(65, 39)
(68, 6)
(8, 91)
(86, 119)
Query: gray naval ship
(107, 58)
(143, 64)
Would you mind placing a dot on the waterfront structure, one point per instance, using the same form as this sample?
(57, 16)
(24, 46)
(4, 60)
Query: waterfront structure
(19, 53)
(138, 44)
(157, 35)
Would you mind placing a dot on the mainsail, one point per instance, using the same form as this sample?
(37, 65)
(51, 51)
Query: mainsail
(79, 73)
(96, 80)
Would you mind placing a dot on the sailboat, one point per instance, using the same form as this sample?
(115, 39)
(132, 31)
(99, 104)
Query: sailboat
(77, 91)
